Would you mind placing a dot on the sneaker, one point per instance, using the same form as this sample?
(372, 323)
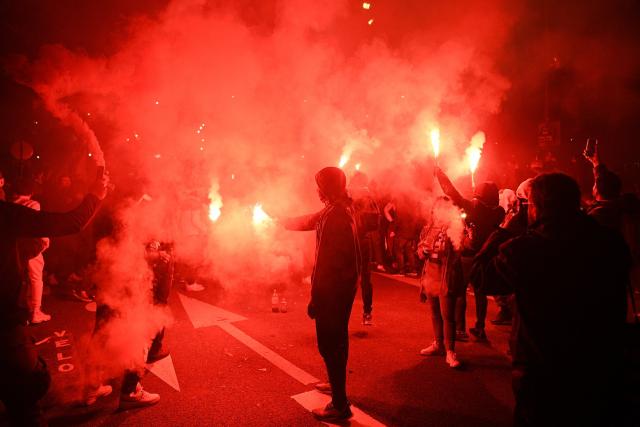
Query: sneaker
(381, 268)
(367, 319)
(39, 316)
(138, 399)
(462, 336)
(452, 359)
(434, 349)
(94, 394)
(324, 388)
(478, 334)
(330, 413)
(81, 296)
(194, 287)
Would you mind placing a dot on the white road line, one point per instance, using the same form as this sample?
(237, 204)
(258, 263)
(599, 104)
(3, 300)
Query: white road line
(314, 399)
(273, 357)
(165, 370)
(202, 315)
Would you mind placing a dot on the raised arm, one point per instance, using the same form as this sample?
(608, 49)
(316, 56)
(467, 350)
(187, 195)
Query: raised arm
(451, 191)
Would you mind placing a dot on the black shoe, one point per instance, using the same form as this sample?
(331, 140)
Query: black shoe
(324, 388)
(160, 354)
(478, 334)
(330, 413)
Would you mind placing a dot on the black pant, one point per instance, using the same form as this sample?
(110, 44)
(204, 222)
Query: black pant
(332, 331)
(24, 377)
(461, 304)
(366, 247)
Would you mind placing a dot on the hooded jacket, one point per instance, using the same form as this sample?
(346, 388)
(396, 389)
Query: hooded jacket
(337, 258)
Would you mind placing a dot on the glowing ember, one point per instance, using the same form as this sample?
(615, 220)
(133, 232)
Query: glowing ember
(357, 166)
(157, 156)
(215, 207)
(370, 22)
(260, 217)
(366, 6)
(435, 141)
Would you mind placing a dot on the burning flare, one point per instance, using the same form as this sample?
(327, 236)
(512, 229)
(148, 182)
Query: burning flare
(344, 159)
(474, 153)
(435, 142)
(260, 217)
(215, 205)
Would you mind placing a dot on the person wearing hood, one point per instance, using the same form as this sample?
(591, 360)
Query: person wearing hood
(334, 280)
(483, 216)
(568, 275)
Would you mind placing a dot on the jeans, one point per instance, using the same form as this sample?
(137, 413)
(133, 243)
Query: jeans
(443, 320)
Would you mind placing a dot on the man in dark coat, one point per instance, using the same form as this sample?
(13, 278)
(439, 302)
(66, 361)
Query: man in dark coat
(568, 275)
(24, 378)
(483, 216)
(333, 283)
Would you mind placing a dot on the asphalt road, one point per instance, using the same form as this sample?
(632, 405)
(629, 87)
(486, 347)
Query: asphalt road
(223, 381)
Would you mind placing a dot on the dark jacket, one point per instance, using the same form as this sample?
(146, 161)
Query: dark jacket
(569, 283)
(481, 218)
(18, 221)
(337, 260)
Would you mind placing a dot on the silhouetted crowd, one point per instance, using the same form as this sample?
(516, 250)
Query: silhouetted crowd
(564, 275)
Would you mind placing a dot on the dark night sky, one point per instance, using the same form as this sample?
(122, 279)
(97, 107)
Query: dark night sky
(594, 81)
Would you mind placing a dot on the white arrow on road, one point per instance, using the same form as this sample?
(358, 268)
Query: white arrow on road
(202, 315)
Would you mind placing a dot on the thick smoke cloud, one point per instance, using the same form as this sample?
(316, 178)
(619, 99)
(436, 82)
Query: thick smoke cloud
(197, 98)
(202, 104)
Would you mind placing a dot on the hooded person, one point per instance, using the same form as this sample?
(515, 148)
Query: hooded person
(334, 280)
(483, 216)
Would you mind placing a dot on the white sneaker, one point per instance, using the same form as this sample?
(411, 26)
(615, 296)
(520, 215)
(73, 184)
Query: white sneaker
(138, 398)
(39, 316)
(433, 350)
(194, 287)
(95, 393)
(452, 359)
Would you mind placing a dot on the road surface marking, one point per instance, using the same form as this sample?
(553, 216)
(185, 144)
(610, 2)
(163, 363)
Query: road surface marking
(165, 370)
(202, 315)
(314, 399)
(273, 357)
